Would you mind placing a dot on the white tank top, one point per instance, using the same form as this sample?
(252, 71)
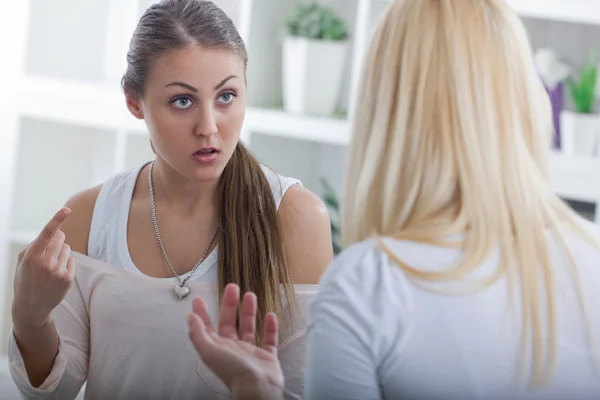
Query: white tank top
(108, 231)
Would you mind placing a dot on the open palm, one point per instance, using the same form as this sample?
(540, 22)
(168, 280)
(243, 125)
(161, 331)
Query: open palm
(232, 354)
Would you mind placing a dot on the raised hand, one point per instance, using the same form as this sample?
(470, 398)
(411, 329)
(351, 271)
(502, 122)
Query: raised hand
(247, 370)
(44, 274)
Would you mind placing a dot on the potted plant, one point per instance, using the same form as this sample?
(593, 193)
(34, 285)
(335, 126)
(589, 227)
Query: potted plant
(314, 58)
(580, 128)
(331, 200)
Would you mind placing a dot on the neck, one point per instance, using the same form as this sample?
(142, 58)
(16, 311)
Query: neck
(181, 194)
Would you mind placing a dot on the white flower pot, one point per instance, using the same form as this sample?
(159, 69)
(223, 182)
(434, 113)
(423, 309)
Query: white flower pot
(579, 134)
(312, 75)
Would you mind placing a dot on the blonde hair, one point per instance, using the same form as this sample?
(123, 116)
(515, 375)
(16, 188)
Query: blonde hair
(451, 135)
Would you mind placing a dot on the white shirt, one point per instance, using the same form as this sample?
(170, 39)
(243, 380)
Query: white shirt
(126, 334)
(374, 334)
(108, 231)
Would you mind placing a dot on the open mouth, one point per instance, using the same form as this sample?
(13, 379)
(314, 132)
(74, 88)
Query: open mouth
(204, 152)
(206, 156)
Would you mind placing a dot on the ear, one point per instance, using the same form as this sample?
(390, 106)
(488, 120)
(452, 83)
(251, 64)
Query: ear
(134, 105)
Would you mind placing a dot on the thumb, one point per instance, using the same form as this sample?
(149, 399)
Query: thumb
(71, 266)
(198, 333)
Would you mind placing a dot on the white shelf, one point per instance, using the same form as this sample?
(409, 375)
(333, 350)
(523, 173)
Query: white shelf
(574, 164)
(76, 103)
(578, 11)
(576, 178)
(104, 106)
(303, 127)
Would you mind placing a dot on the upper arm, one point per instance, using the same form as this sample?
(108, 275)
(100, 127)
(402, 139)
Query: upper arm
(338, 365)
(356, 321)
(340, 362)
(77, 227)
(306, 231)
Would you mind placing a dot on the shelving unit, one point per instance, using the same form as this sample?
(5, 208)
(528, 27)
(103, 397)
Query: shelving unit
(577, 11)
(67, 127)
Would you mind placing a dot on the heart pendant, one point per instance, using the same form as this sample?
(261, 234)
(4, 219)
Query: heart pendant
(181, 291)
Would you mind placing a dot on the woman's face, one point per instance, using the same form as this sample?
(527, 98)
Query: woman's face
(194, 106)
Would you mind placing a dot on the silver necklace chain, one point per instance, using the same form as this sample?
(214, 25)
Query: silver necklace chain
(160, 242)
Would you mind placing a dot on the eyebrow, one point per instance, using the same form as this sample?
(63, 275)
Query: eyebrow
(185, 85)
(224, 81)
(193, 89)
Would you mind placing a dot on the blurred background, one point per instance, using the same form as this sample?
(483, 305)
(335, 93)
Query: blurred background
(64, 125)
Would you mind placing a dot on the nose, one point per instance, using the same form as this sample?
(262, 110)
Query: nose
(206, 124)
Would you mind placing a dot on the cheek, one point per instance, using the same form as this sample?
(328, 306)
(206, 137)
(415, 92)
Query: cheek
(231, 123)
(164, 122)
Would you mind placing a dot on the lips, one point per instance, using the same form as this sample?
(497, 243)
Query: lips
(205, 151)
(206, 156)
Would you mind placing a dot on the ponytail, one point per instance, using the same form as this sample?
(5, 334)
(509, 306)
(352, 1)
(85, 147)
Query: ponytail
(251, 252)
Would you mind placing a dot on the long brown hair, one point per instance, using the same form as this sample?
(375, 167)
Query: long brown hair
(251, 251)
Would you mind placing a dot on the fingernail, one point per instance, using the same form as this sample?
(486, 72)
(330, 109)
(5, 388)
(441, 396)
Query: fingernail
(189, 320)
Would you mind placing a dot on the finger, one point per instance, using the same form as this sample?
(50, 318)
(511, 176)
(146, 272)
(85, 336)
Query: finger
(271, 334)
(22, 254)
(199, 308)
(55, 246)
(71, 264)
(49, 231)
(63, 258)
(198, 334)
(248, 318)
(24, 251)
(228, 313)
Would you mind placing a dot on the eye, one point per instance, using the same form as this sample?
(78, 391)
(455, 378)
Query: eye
(182, 103)
(227, 97)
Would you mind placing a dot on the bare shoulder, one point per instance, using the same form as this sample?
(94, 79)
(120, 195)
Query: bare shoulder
(77, 226)
(299, 201)
(306, 231)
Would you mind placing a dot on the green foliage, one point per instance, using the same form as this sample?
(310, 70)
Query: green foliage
(331, 200)
(315, 21)
(583, 92)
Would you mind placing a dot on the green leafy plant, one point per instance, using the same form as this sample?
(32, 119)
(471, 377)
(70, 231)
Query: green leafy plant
(583, 92)
(333, 204)
(315, 21)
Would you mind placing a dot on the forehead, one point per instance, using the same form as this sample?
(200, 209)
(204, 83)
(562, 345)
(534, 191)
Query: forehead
(195, 65)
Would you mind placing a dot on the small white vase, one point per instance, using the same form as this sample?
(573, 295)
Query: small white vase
(313, 73)
(579, 134)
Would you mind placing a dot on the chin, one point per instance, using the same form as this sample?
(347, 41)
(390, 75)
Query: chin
(206, 173)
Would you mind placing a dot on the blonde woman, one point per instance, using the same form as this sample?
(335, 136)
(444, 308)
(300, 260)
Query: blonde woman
(465, 276)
